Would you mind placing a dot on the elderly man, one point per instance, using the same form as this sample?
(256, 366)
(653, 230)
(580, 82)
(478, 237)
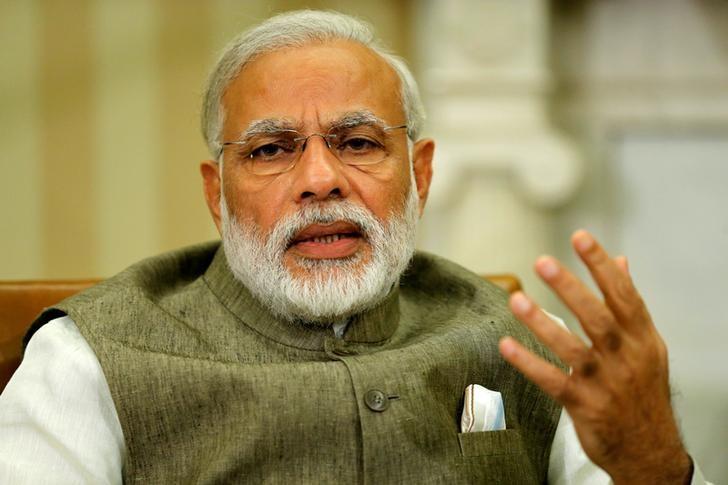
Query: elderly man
(315, 345)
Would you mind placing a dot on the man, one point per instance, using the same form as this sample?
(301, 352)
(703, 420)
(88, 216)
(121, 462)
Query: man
(315, 346)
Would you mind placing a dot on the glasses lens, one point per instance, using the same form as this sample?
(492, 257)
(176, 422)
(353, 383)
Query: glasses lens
(360, 145)
(269, 154)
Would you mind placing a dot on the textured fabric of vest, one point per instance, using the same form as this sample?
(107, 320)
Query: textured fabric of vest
(211, 388)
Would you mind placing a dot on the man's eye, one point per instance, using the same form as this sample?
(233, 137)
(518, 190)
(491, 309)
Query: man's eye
(270, 151)
(359, 144)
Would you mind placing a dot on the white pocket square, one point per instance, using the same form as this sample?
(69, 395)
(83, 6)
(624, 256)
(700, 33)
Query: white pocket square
(482, 410)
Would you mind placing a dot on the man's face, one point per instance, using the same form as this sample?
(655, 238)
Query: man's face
(311, 89)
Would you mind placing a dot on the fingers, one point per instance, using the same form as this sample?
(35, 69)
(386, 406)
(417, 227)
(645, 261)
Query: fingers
(595, 318)
(567, 346)
(614, 282)
(624, 307)
(544, 374)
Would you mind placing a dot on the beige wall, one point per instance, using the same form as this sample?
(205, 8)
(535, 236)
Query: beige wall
(99, 105)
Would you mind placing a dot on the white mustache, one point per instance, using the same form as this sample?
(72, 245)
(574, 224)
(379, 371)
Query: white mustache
(284, 232)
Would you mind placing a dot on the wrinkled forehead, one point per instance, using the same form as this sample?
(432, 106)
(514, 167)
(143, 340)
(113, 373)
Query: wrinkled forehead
(313, 86)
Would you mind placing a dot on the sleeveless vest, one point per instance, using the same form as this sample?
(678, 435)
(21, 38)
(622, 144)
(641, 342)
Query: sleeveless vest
(211, 388)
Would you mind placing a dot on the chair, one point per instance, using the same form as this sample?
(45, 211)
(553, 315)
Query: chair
(22, 301)
(507, 281)
(20, 304)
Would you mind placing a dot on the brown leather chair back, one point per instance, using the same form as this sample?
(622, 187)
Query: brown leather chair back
(507, 281)
(20, 304)
(22, 301)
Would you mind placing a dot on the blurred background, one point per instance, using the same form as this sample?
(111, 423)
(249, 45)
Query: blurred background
(549, 116)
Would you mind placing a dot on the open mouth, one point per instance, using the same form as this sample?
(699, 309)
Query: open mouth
(326, 241)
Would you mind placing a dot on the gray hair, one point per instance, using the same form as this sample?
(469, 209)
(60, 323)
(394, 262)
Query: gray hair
(292, 29)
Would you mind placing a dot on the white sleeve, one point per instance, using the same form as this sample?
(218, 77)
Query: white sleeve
(568, 463)
(58, 422)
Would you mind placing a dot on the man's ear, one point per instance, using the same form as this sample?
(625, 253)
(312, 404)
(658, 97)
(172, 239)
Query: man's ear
(210, 171)
(422, 154)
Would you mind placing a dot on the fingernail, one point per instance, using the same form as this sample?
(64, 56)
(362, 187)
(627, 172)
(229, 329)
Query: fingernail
(621, 262)
(520, 303)
(547, 267)
(583, 240)
(507, 347)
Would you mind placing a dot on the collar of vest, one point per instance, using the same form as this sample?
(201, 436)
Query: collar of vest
(373, 326)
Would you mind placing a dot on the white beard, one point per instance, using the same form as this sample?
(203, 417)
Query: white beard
(333, 289)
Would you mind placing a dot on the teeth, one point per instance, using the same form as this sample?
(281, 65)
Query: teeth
(327, 239)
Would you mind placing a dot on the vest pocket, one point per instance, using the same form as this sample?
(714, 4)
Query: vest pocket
(488, 443)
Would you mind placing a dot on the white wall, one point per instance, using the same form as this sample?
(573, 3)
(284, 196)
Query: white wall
(671, 217)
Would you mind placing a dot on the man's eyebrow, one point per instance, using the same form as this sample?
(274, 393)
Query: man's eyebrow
(356, 118)
(268, 126)
(276, 125)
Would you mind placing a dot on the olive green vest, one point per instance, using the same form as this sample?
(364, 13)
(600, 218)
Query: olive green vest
(211, 388)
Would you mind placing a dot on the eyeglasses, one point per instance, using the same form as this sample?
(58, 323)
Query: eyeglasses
(278, 151)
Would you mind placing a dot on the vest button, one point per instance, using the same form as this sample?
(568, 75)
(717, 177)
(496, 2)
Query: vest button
(376, 400)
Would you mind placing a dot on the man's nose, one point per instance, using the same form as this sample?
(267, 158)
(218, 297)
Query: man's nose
(319, 174)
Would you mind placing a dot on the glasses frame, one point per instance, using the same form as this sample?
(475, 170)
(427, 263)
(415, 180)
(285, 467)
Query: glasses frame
(326, 137)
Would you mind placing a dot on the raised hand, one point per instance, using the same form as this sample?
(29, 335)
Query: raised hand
(617, 392)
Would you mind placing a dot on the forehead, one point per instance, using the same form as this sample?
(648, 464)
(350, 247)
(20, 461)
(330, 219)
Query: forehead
(313, 84)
